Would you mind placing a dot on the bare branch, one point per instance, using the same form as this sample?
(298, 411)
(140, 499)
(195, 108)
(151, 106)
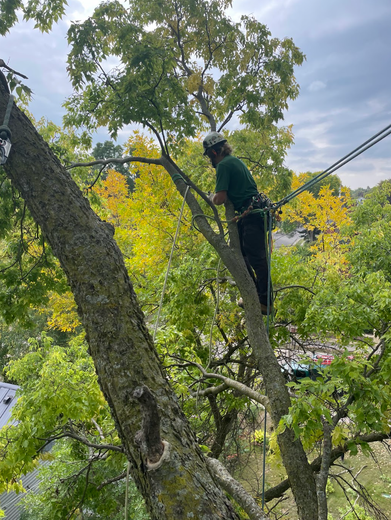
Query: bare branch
(5, 66)
(101, 435)
(213, 390)
(112, 480)
(236, 385)
(294, 287)
(116, 160)
(234, 488)
(84, 441)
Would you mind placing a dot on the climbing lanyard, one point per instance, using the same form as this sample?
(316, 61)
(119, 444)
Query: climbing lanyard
(5, 133)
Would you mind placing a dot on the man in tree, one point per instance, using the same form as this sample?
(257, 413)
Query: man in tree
(235, 182)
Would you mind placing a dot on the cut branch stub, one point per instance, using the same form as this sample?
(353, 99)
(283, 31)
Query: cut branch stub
(148, 438)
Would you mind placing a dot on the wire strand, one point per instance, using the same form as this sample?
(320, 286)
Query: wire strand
(334, 167)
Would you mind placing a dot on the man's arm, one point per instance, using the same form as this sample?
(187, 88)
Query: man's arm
(219, 198)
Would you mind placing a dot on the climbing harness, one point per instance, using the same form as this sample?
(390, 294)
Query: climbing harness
(5, 133)
(260, 203)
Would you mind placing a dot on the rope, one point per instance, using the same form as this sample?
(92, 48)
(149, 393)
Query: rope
(215, 311)
(127, 491)
(178, 177)
(334, 167)
(169, 262)
(269, 286)
(4, 126)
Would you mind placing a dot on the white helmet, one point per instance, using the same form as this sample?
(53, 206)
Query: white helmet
(212, 139)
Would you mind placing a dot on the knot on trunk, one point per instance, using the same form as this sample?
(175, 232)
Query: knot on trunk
(148, 438)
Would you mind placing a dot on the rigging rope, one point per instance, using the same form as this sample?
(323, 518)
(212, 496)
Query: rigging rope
(217, 307)
(169, 262)
(5, 133)
(127, 490)
(334, 167)
(269, 290)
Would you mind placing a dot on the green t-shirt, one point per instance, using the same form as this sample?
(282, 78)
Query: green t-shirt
(233, 176)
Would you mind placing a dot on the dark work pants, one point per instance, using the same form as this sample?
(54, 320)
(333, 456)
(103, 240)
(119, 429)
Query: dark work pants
(252, 234)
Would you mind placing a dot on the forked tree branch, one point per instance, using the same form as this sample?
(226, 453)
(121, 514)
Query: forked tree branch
(235, 385)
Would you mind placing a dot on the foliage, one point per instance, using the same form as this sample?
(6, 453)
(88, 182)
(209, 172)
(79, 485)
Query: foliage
(329, 487)
(259, 435)
(166, 62)
(61, 495)
(28, 268)
(324, 212)
(350, 297)
(360, 193)
(16, 86)
(29, 271)
(180, 69)
(14, 338)
(332, 182)
(61, 401)
(44, 13)
(109, 150)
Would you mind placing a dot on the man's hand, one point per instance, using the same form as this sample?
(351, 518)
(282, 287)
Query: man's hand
(219, 198)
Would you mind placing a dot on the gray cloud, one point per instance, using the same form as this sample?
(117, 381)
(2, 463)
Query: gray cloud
(345, 81)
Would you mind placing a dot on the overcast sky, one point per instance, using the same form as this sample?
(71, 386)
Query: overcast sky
(345, 82)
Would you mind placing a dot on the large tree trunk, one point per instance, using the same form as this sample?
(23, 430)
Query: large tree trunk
(119, 342)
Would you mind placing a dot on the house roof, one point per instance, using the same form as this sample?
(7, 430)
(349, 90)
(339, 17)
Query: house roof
(9, 501)
(7, 401)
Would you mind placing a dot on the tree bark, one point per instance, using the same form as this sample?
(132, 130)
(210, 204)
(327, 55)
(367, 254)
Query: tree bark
(321, 479)
(119, 342)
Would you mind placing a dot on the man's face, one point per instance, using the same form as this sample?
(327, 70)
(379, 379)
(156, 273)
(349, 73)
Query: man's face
(212, 156)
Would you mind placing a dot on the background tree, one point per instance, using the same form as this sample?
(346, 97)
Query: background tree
(107, 150)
